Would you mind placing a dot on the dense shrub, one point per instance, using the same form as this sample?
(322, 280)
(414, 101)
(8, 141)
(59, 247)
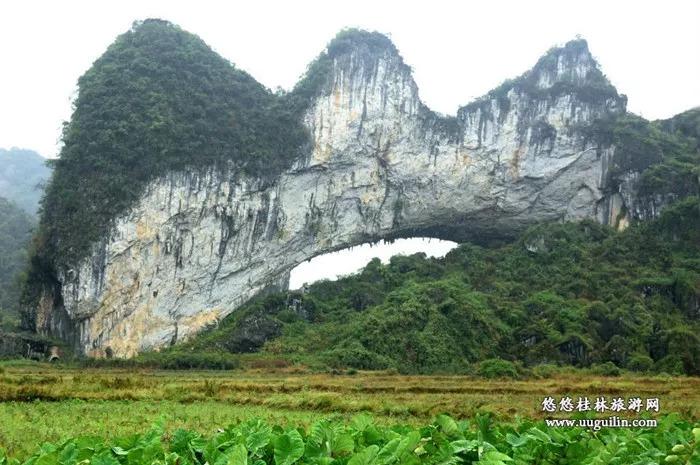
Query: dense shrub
(497, 368)
(354, 355)
(606, 369)
(545, 370)
(640, 362)
(170, 360)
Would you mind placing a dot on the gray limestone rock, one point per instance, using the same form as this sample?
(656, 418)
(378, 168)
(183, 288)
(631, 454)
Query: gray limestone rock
(199, 244)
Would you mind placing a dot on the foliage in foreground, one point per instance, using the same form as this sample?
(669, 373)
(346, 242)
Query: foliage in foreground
(444, 442)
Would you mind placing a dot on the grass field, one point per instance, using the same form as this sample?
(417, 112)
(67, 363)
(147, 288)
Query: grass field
(43, 403)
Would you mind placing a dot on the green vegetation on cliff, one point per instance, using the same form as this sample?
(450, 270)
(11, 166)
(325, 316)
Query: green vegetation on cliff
(579, 294)
(686, 124)
(159, 99)
(668, 159)
(592, 88)
(364, 45)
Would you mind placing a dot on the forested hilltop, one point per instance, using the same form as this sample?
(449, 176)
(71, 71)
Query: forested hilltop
(573, 294)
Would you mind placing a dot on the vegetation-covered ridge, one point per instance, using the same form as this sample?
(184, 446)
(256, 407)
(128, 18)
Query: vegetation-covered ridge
(667, 156)
(686, 124)
(364, 46)
(363, 442)
(160, 99)
(575, 293)
(564, 63)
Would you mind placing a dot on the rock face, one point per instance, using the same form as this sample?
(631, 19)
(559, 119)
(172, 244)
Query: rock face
(198, 244)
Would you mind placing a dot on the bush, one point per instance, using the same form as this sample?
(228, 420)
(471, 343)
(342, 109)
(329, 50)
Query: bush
(545, 370)
(672, 364)
(355, 355)
(605, 369)
(497, 368)
(170, 361)
(640, 362)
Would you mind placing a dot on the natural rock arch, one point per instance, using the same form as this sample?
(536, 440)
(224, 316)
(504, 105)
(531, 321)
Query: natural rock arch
(200, 243)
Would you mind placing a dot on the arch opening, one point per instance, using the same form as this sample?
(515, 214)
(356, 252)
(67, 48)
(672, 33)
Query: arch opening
(334, 265)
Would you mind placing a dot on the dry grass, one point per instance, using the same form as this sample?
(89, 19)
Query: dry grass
(407, 397)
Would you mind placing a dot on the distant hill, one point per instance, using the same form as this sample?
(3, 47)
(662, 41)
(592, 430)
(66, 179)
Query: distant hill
(15, 232)
(22, 173)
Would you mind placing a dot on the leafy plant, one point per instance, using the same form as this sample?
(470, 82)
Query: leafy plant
(445, 441)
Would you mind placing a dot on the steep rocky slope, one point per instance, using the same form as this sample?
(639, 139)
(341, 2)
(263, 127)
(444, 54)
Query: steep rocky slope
(197, 240)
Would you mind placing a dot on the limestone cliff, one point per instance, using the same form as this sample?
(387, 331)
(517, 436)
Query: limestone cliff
(198, 243)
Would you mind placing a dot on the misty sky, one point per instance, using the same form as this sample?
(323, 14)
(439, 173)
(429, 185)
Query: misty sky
(458, 50)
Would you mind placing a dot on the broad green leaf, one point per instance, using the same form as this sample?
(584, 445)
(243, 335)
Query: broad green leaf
(447, 425)
(288, 448)
(461, 445)
(258, 436)
(493, 457)
(366, 457)
(387, 454)
(104, 458)
(516, 441)
(361, 422)
(173, 459)
(539, 435)
(119, 451)
(237, 455)
(69, 454)
(343, 444)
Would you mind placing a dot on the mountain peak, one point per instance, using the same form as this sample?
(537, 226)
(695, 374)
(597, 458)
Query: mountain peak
(360, 40)
(350, 52)
(572, 63)
(568, 70)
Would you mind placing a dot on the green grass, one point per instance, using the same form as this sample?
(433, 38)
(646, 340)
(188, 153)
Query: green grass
(24, 426)
(42, 403)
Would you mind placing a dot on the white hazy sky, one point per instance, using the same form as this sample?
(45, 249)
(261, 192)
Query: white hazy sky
(459, 50)
(334, 265)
